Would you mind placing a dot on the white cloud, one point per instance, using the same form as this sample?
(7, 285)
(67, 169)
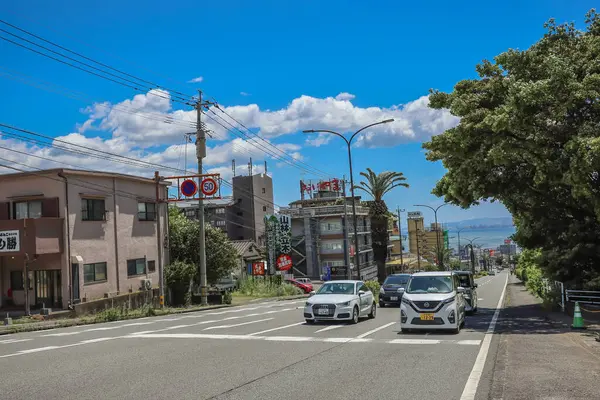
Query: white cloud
(245, 94)
(345, 96)
(196, 80)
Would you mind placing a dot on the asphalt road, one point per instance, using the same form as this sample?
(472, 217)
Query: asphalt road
(263, 351)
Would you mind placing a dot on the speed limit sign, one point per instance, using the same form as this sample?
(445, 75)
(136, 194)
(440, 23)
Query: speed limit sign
(208, 186)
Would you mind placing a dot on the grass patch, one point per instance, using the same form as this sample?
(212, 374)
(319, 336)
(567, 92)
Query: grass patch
(263, 288)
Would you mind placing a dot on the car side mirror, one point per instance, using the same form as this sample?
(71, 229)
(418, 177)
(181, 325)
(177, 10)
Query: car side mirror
(312, 292)
(475, 285)
(460, 289)
(361, 292)
(401, 290)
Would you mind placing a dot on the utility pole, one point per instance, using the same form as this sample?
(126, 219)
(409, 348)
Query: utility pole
(200, 154)
(400, 236)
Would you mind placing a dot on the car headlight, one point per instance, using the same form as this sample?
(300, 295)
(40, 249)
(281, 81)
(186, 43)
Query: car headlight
(450, 300)
(381, 291)
(405, 300)
(307, 304)
(344, 304)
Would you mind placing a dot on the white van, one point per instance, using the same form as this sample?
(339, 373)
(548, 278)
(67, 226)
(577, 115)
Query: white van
(433, 300)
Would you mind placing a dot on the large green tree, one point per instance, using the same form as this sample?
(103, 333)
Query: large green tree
(221, 256)
(377, 185)
(529, 136)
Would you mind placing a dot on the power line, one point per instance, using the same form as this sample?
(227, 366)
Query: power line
(153, 85)
(114, 157)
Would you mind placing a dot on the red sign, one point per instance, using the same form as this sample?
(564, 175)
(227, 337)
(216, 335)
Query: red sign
(491, 253)
(331, 185)
(188, 188)
(258, 268)
(506, 241)
(284, 262)
(209, 186)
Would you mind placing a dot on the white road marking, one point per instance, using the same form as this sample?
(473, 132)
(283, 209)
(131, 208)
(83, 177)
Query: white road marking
(275, 329)
(62, 334)
(14, 341)
(180, 326)
(138, 324)
(234, 325)
(415, 341)
(142, 332)
(103, 339)
(375, 330)
(329, 328)
(38, 349)
(300, 339)
(470, 389)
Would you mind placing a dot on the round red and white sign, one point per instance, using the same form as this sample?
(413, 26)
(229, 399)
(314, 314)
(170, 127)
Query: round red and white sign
(209, 186)
(284, 262)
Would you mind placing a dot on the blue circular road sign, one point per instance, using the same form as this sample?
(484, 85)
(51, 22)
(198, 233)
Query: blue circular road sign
(189, 188)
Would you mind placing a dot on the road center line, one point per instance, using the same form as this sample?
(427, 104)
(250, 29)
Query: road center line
(374, 330)
(275, 329)
(470, 389)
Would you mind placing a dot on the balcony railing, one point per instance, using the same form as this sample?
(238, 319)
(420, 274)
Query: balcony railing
(323, 211)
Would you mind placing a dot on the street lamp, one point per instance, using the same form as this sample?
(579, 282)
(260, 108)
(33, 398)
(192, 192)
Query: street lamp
(458, 234)
(400, 210)
(348, 143)
(437, 229)
(472, 253)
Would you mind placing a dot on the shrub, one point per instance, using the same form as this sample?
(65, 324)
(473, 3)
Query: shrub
(374, 286)
(227, 297)
(108, 315)
(258, 287)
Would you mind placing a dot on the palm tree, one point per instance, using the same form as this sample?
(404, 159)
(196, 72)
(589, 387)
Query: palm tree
(377, 185)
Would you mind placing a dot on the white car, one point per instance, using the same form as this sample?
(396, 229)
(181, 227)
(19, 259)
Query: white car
(340, 301)
(433, 300)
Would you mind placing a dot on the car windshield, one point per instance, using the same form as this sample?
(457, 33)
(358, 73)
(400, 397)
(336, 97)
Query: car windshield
(430, 284)
(396, 280)
(337, 288)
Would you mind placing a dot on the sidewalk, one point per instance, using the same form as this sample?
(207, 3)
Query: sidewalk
(539, 356)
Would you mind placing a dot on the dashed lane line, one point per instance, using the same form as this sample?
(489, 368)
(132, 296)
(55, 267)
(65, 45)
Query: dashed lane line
(329, 328)
(234, 325)
(275, 329)
(375, 330)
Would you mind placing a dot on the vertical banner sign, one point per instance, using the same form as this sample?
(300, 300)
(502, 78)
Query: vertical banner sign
(279, 242)
(446, 240)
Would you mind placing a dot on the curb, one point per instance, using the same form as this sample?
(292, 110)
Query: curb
(4, 332)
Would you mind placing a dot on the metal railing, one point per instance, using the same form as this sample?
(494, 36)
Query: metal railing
(583, 296)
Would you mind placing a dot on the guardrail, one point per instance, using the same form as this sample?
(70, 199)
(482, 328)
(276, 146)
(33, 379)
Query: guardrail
(583, 296)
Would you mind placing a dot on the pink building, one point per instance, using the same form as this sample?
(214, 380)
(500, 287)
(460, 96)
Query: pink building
(79, 235)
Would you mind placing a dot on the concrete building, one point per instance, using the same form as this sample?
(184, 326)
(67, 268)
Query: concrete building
(424, 241)
(322, 236)
(68, 236)
(217, 212)
(252, 200)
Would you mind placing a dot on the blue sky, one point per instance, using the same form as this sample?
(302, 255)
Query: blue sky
(259, 59)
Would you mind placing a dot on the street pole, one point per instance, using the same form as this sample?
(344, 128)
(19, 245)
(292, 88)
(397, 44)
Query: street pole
(437, 232)
(200, 154)
(400, 236)
(418, 249)
(346, 241)
(349, 144)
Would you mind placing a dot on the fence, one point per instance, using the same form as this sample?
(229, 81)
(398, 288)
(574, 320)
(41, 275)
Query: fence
(583, 296)
(568, 297)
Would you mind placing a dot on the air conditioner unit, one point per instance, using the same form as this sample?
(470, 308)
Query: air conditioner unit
(146, 284)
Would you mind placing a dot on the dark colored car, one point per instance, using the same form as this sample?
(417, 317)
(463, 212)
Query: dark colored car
(468, 282)
(388, 294)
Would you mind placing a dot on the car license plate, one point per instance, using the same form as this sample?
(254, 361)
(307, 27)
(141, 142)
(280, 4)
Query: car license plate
(323, 311)
(426, 317)
(394, 298)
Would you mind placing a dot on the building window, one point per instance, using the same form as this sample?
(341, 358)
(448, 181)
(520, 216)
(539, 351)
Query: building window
(334, 263)
(93, 210)
(94, 272)
(220, 211)
(264, 190)
(151, 266)
(332, 246)
(331, 226)
(147, 211)
(16, 280)
(220, 223)
(240, 214)
(136, 267)
(28, 209)
(265, 208)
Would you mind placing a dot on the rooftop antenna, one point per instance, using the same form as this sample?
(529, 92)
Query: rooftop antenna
(233, 167)
(250, 167)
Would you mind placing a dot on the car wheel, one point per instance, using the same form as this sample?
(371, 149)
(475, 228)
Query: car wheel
(373, 311)
(310, 321)
(355, 315)
(381, 304)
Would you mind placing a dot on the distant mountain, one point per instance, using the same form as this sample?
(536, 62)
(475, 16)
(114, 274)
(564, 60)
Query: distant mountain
(481, 223)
